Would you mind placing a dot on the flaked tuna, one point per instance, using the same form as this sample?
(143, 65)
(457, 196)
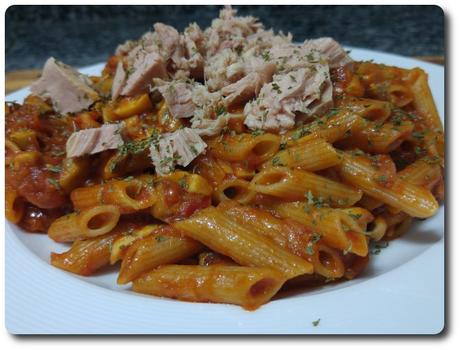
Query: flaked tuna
(331, 49)
(304, 90)
(94, 140)
(223, 69)
(229, 31)
(191, 65)
(68, 90)
(142, 71)
(180, 147)
(258, 72)
(119, 80)
(213, 127)
(167, 39)
(178, 97)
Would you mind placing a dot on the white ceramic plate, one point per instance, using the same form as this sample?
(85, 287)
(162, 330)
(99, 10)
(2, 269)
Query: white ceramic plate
(402, 291)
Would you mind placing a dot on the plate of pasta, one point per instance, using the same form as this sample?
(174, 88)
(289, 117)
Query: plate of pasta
(227, 180)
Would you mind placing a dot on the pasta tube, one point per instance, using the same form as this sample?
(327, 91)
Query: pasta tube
(293, 185)
(88, 223)
(162, 247)
(400, 194)
(337, 228)
(249, 287)
(316, 154)
(225, 236)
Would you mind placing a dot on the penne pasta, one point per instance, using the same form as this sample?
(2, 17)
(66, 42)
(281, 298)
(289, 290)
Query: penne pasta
(423, 99)
(86, 256)
(422, 173)
(413, 200)
(211, 258)
(242, 147)
(234, 189)
(92, 222)
(337, 228)
(14, 206)
(121, 244)
(371, 109)
(128, 195)
(249, 287)
(316, 154)
(379, 138)
(225, 236)
(89, 255)
(293, 185)
(288, 234)
(330, 128)
(163, 246)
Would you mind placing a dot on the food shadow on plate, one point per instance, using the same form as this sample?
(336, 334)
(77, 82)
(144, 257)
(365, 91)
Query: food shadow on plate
(305, 284)
(422, 237)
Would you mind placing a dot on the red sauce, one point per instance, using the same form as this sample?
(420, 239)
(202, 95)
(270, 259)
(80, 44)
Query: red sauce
(39, 220)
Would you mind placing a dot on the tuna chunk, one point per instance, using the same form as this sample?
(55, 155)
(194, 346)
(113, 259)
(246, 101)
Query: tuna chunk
(259, 73)
(145, 67)
(118, 81)
(212, 127)
(125, 48)
(178, 148)
(229, 31)
(264, 40)
(304, 90)
(167, 39)
(95, 140)
(68, 90)
(223, 69)
(209, 127)
(331, 49)
(178, 98)
(208, 104)
(192, 63)
(189, 99)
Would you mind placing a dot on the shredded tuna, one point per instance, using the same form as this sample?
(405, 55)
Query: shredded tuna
(94, 140)
(223, 69)
(264, 40)
(306, 90)
(126, 47)
(229, 31)
(68, 90)
(146, 67)
(209, 127)
(213, 127)
(191, 64)
(167, 39)
(331, 49)
(258, 72)
(119, 80)
(178, 148)
(178, 97)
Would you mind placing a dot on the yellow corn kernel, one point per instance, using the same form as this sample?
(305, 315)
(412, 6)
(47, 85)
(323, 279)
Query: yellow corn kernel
(104, 85)
(27, 159)
(129, 107)
(24, 138)
(192, 183)
(36, 101)
(198, 184)
(108, 114)
(86, 120)
(74, 172)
